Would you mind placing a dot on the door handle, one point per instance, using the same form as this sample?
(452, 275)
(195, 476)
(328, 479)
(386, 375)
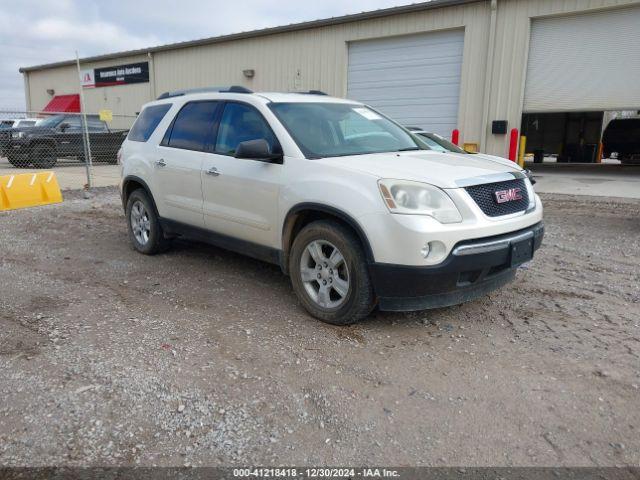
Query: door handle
(213, 171)
(161, 163)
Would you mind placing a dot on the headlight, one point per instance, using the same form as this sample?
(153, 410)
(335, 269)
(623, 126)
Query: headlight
(531, 194)
(17, 135)
(414, 198)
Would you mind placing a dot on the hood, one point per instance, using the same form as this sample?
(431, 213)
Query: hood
(29, 130)
(444, 170)
(493, 158)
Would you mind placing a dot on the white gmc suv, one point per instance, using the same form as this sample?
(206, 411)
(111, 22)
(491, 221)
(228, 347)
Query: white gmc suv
(355, 208)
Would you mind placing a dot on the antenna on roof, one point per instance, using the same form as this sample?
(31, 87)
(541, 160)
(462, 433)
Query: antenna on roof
(230, 89)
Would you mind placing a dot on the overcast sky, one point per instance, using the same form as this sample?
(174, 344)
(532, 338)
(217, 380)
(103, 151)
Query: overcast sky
(33, 32)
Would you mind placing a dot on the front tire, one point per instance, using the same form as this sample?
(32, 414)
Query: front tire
(328, 270)
(16, 162)
(143, 225)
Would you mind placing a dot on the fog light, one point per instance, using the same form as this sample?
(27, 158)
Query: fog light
(434, 251)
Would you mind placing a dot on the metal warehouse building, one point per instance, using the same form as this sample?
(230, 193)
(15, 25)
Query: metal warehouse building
(548, 67)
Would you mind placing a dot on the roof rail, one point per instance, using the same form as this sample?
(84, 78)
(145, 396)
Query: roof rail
(230, 89)
(314, 92)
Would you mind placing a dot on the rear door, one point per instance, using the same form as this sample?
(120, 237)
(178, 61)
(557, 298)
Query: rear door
(241, 196)
(179, 162)
(100, 140)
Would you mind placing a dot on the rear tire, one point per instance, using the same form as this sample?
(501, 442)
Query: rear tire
(143, 225)
(329, 273)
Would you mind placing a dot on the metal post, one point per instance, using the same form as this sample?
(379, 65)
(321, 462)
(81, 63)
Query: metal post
(85, 130)
(521, 151)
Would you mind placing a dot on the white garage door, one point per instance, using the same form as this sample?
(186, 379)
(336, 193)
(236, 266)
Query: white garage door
(413, 79)
(584, 62)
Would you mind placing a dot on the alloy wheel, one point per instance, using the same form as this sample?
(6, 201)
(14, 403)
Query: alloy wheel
(324, 274)
(140, 223)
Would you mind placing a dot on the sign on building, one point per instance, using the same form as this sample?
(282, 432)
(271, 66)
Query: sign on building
(87, 79)
(116, 75)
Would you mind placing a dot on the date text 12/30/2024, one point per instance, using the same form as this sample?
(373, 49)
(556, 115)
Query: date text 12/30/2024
(315, 473)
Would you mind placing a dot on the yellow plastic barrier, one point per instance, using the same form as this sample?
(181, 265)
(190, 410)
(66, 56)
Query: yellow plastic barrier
(29, 190)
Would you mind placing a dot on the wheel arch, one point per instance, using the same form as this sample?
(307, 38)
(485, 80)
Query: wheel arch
(132, 183)
(302, 214)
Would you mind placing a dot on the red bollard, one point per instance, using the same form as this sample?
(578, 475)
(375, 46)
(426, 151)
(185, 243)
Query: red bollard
(513, 145)
(455, 137)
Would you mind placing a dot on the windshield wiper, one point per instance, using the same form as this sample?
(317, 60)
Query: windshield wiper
(407, 149)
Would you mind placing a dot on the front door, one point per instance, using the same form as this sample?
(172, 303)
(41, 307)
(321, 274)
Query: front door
(241, 196)
(69, 137)
(179, 160)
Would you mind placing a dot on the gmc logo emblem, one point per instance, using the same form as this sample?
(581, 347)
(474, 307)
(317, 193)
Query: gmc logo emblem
(511, 195)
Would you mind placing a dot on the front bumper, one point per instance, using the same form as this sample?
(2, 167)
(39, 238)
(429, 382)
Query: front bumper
(472, 269)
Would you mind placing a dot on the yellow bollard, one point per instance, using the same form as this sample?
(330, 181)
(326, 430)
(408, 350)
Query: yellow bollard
(29, 190)
(521, 151)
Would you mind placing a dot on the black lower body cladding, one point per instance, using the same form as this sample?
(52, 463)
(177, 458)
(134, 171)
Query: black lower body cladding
(474, 268)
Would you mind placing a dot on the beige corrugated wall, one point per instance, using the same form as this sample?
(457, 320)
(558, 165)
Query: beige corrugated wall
(507, 77)
(317, 59)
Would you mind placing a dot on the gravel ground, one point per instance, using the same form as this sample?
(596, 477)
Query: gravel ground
(203, 357)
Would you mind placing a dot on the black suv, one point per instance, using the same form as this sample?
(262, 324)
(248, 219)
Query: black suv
(622, 136)
(60, 136)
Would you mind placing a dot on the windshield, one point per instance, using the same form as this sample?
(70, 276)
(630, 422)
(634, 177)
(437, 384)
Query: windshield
(339, 129)
(51, 121)
(440, 144)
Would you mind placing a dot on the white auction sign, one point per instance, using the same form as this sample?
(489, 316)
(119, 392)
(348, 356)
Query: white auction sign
(87, 79)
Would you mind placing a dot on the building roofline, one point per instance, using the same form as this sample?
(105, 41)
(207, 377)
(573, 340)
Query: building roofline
(293, 27)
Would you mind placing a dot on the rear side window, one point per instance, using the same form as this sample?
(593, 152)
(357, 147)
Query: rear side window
(193, 126)
(96, 125)
(147, 122)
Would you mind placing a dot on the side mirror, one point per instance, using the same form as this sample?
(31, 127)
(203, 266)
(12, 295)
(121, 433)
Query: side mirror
(63, 126)
(257, 150)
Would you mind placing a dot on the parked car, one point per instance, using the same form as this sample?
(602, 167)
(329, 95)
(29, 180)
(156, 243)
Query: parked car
(622, 136)
(61, 136)
(441, 144)
(18, 122)
(357, 211)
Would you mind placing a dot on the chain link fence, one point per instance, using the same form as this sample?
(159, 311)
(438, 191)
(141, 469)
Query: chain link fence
(85, 145)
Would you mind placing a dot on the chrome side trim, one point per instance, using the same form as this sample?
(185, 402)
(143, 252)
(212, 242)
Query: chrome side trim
(485, 247)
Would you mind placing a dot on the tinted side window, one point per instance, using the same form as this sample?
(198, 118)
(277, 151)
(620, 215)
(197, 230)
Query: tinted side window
(96, 125)
(147, 122)
(240, 123)
(193, 127)
(73, 123)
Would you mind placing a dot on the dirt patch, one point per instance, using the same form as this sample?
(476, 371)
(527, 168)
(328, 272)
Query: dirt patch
(204, 357)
